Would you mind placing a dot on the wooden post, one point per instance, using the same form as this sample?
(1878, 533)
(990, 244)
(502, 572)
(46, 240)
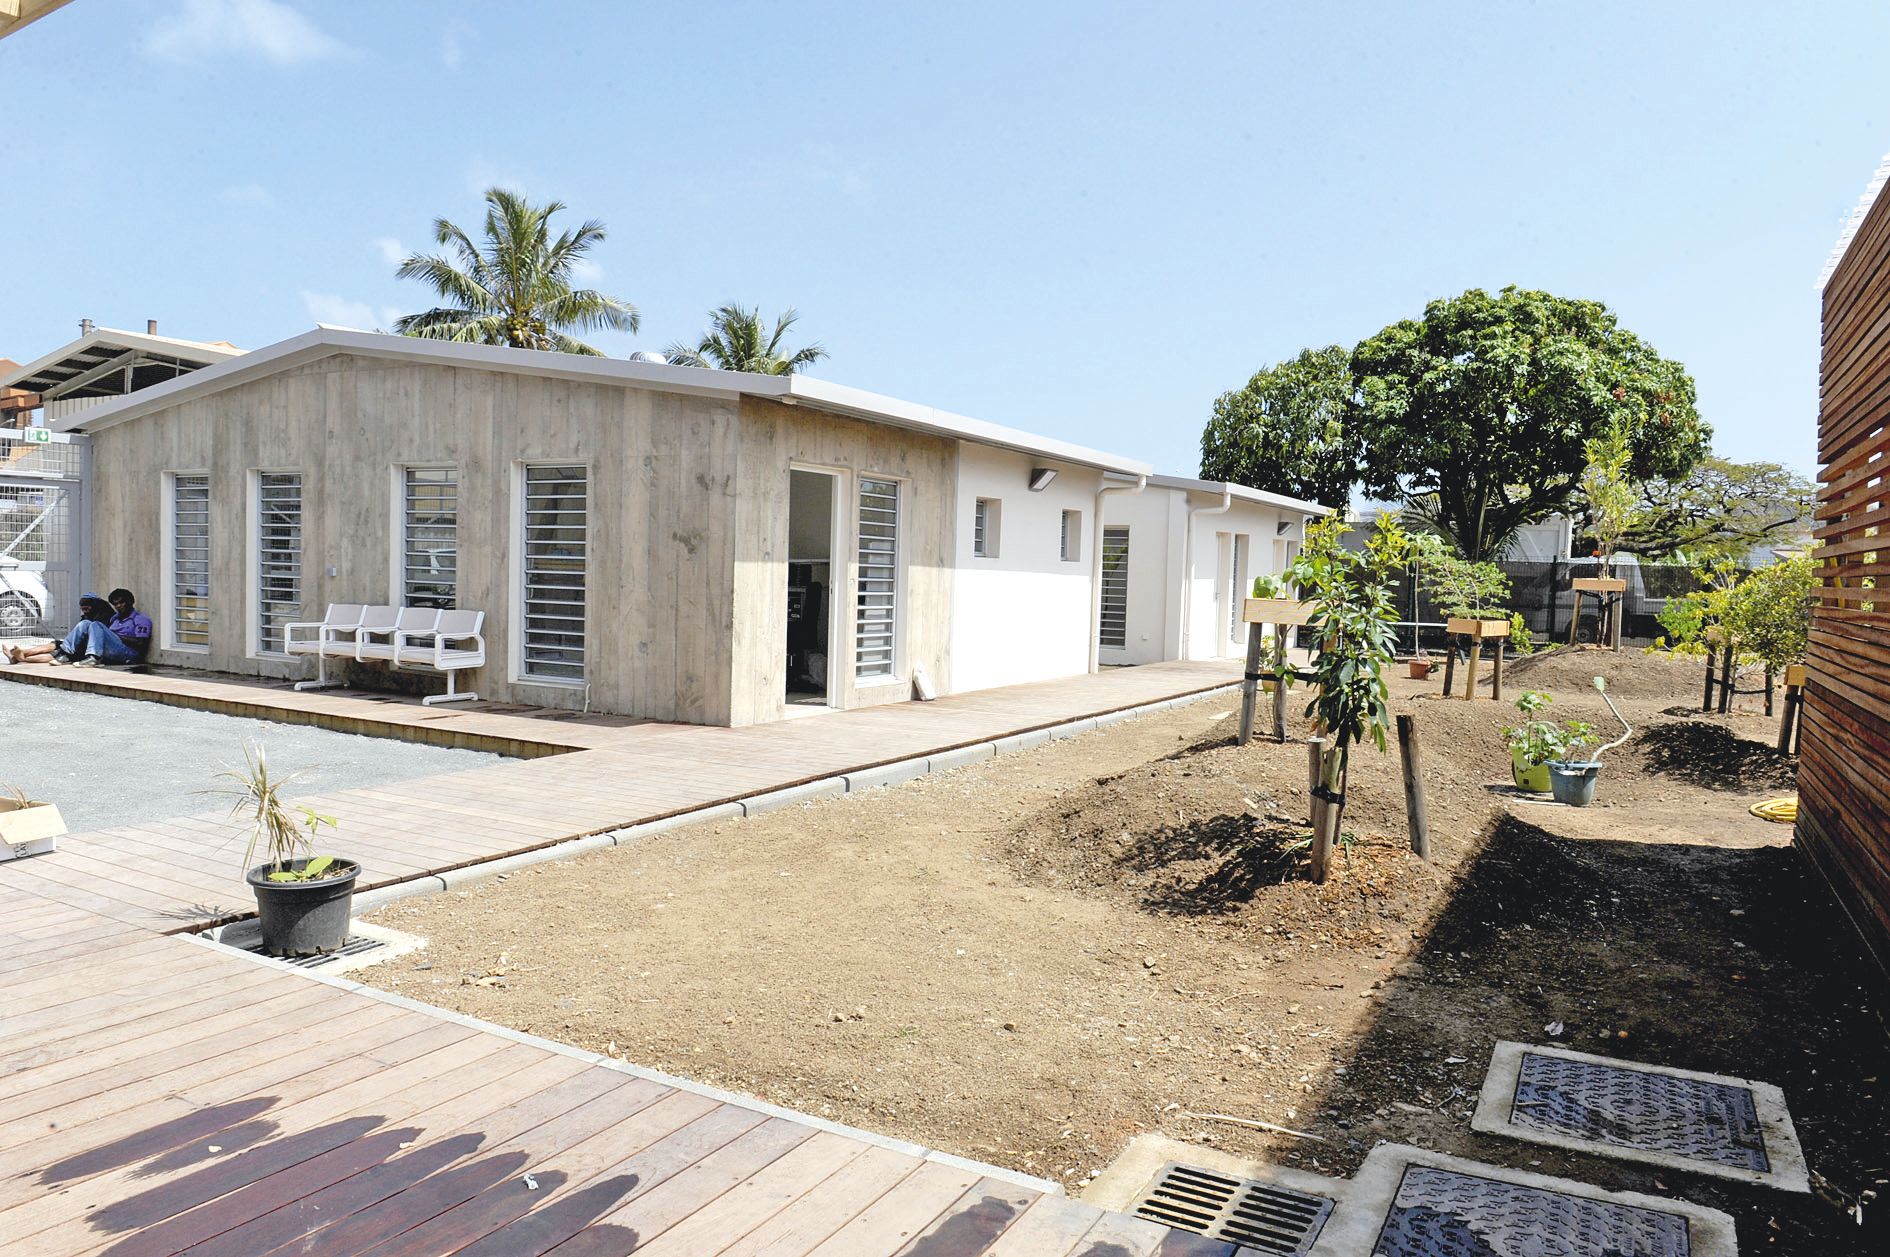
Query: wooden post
(1728, 676)
(1619, 602)
(1496, 671)
(1706, 700)
(1279, 682)
(1788, 724)
(1250, 685)
(1575, 618)
(1450, 662)
(1768, 689)
(1324, 763)
(1470, 671)
(1416, 817)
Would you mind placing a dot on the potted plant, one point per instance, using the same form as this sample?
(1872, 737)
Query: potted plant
(27, 826)
(1420, 667)
(304, 901)
(1572, 780)
(1536, 741)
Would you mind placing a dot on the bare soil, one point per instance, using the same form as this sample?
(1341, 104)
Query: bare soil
(1034, 959)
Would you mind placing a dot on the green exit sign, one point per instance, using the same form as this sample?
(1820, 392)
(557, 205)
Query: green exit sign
(39, 436)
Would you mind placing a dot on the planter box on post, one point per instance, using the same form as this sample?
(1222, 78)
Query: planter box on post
(1608, 628)
(28, 828)
(1283, 614)
(1480, 631)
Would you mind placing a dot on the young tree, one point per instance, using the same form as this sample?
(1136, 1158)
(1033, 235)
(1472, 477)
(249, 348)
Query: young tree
(737, 341)
(1487, 402)
(1285, 431)
(1768, 614)
(1612, 496)
(516, 289)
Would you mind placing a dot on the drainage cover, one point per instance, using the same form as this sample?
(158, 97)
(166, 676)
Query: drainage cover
(1446, 1213)
(1704, 1121)
(1730, 1127)
(354, 945)
(1259, 1216)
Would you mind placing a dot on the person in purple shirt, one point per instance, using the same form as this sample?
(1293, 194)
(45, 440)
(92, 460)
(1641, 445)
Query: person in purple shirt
(110, 630)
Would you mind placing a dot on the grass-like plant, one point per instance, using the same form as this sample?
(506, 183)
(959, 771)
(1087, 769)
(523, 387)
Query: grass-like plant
(283, 833)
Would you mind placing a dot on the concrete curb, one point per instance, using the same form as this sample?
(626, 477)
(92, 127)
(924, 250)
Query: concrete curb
(755, 804)
(751, 1103)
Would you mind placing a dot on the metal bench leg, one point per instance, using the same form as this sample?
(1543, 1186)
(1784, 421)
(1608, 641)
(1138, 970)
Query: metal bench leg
(452, 694)
(321, 674)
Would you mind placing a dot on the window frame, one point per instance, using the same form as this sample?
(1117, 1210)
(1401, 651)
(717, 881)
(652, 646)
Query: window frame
(255, 582)
(168, 638)
(987, 515)
(520, 570)
(1103, 584)
(399, 584)
(1070, 541)
(893, 675)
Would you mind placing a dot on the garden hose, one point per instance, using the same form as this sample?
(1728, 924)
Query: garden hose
(1784, 811)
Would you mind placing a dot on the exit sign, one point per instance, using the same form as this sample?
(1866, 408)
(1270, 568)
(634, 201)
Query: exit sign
(39, 436)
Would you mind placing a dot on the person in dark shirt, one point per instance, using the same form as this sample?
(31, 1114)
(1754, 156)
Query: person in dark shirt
(110, 631)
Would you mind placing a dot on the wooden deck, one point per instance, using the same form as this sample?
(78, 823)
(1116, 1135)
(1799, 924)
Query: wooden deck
(163, 1095)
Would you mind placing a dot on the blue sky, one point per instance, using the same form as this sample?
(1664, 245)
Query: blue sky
(1085, 220)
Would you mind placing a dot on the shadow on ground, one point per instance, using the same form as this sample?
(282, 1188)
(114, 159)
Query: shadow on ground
(1733, 961)
(1246, 856)
(1713, 756)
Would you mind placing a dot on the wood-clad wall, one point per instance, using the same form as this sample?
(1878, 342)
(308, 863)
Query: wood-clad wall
(662, 496)
(1844, 770)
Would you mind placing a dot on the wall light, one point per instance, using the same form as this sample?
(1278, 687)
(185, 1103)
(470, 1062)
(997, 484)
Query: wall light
(1040, 478)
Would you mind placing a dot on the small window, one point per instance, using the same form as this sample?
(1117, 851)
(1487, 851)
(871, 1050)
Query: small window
(984, 528)
(1113, 629)
(876, 614)
(190, 562)
(278, 557)
(430, 537)
(555, 543)
(1071, 545)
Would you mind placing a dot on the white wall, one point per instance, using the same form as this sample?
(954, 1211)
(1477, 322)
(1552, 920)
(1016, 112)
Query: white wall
(1021, 614)
(1153, 628)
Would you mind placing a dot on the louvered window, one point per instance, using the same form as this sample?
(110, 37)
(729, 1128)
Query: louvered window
(430, 537)
(554, 542)
(190, 562)
(1070, 546)
(278, 557)
(1113, 629)
(876, 617)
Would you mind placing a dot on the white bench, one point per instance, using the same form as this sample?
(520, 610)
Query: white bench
(449, 642)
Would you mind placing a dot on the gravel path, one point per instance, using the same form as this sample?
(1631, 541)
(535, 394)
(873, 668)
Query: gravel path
(116, 761)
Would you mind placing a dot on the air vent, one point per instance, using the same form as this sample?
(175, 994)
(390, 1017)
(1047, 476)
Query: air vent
(354, 945)
(1258, 1216)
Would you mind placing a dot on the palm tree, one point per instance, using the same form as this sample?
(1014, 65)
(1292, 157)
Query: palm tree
(735, 342)
(516, 290)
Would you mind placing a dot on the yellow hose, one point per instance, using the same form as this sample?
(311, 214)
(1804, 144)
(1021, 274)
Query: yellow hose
(1784, 811)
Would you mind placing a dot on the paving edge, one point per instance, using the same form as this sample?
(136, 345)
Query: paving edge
(1782, 1149)
(751, 1103)
(890, 774)
(1360, 1217)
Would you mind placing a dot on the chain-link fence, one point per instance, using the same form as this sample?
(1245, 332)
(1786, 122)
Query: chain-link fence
(1542, 593)
(42, 531)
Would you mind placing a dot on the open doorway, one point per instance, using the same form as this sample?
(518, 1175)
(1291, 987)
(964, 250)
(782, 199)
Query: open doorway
(810, 567)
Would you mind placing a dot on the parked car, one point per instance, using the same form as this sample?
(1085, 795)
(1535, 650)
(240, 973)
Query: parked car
(24, 598)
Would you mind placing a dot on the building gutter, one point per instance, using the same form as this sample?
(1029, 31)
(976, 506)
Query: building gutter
(1095, 568)
(1187, 565)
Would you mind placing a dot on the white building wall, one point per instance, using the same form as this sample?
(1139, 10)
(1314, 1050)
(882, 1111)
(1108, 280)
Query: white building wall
(1153, 627)
(1022, 613)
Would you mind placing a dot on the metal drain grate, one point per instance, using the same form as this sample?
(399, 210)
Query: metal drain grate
(1634, 1108)
(1445, 1213)
(1259, 1216)
(355, 945)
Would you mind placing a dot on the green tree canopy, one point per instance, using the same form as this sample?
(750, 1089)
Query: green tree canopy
(515, 289)
(1286, 432)
(1487, 402)
(1719, 508)
(738, 341)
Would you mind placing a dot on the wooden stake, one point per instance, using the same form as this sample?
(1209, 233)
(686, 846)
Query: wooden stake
(1496, 671)
(1614, 621)
(1250, 685)
(1728, 677)
(1450, 662)
(1706, 700)
(1470, 671)
(1416, 816)
(1321, 850)
(1279, 683)
(1768, 689)
(1575, 618)
(1788, 724)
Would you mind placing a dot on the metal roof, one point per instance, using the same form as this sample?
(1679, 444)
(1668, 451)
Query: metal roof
(106, 362)
(792, 390)
(1260, 496)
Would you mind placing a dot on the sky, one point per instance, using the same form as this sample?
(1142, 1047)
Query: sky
(1084, 220)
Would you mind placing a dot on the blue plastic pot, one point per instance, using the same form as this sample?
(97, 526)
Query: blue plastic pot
(1573, 781)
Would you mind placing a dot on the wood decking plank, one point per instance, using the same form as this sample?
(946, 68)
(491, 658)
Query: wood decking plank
(893, 1219)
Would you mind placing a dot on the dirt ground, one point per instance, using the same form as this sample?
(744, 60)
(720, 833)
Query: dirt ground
(1032, 960)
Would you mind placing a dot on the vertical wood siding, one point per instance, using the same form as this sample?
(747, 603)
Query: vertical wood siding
(1844, 770)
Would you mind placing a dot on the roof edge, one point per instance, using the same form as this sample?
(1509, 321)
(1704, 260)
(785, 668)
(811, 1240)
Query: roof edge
(1261, 497)
(1848, 233)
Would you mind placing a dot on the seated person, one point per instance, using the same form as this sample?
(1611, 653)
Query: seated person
(110, 631)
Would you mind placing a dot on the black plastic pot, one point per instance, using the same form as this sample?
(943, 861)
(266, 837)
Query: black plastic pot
(304, 918)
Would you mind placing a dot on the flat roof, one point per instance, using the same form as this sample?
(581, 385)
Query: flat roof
(1261, 496)
(95, 365)
(790, 390)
